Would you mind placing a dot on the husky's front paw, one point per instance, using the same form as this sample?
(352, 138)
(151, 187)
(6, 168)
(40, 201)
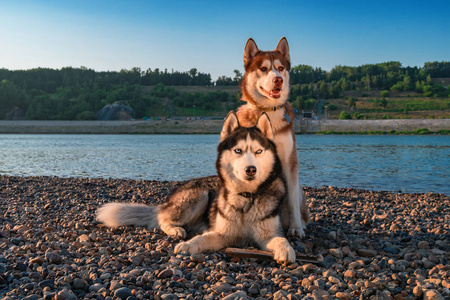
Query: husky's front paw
(176, 232)
(284, 254)
(296, 232)
(186, 247)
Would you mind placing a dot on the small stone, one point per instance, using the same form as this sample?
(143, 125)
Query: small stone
(367, 293)
(346, 251)
(366, 252)
(423, 245)
(47, 283)
(292, 297)
(367, 222)
(432, 295)
(20, 266)
(65, 295)
(308, 267)
(337, 252)
(53, 257)
(95, 287)
(391, 250)
(115, 284)
(122, 293)
(84, 238)
(350, 273)
(136, 259)
(254, 289)
(37, 260)
(16, 241)
(165, 274)
(356, 264)
(241, 295)
(446, 284)
(306, 282)
(320, 295)
(381, 295)
(402, 262)
(329, 261)
(394, 227)
(417, 291)
(221, 287)
(78, 284)
(168, 297)
(343, 295)
(198, 258)
(333, 279)
(280, 295)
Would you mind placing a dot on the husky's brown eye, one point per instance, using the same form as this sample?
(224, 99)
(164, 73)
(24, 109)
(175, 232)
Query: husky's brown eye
(280, 68)
(238, 151)
(258, 151)
(263, 69)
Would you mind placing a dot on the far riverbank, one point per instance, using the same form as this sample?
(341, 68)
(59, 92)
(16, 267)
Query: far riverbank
(392, 126)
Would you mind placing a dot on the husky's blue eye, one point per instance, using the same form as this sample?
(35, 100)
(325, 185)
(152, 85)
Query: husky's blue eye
(259, 151)
(263, 69)
(238, 151)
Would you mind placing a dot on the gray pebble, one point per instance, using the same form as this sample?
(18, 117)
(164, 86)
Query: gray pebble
(240, 295)
(122, 293)
(221, 287)
(370, 246)
(95, 287)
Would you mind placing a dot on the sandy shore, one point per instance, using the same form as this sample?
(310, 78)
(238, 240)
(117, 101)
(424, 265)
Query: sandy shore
(376, 245)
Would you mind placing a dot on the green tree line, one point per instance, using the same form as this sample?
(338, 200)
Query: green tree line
(308, 83)
(78, 93)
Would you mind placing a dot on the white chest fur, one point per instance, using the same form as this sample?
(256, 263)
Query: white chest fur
(285, 145)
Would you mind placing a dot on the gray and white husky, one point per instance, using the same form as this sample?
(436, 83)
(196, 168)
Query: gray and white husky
(244, 205)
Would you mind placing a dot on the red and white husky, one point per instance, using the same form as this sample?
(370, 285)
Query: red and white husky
(265, 88)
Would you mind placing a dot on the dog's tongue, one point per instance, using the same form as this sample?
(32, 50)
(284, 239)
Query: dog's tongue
(275, 93)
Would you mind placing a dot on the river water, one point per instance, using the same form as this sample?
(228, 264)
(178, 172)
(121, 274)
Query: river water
(390, 163)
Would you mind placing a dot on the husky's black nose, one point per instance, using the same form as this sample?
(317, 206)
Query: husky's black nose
(250, 171)
(278, 81)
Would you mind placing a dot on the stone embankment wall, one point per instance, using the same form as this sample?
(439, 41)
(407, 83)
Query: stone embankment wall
(398, 125)
(112, 127)
(211, 126)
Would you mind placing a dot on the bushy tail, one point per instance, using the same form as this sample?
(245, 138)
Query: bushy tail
(123, 214)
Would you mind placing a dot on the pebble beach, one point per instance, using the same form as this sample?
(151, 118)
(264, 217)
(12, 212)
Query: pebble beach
(374, 245)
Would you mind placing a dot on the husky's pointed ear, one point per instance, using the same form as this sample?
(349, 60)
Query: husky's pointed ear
(265, 126)
(231, 124)
(283, 48)
(250, 51)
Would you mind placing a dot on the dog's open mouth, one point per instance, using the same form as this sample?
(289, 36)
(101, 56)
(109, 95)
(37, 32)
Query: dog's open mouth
(275, 93)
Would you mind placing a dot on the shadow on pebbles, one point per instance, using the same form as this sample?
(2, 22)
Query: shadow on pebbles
(376, 245)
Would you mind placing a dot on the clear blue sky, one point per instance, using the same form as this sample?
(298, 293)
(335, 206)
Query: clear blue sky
(210, 35)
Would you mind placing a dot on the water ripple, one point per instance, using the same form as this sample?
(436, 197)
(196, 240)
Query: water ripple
(394, 163)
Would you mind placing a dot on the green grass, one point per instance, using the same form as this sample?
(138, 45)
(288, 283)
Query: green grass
(421, 131)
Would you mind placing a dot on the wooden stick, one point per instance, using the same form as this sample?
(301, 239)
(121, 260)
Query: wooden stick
(258, 254)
